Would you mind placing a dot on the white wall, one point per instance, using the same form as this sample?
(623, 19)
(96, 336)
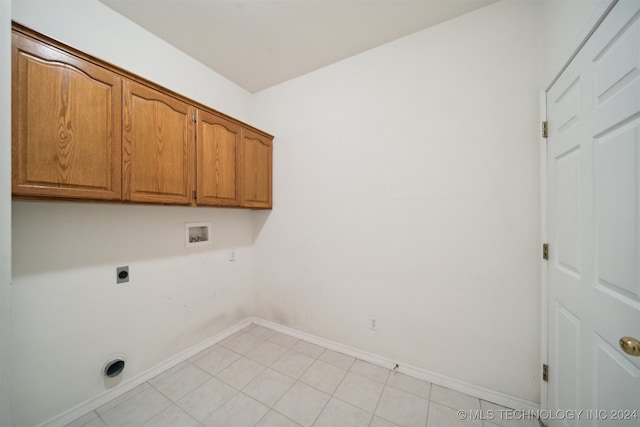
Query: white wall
(5, 211)
(69, 314)
(406, 187)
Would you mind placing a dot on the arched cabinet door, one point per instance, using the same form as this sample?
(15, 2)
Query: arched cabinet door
(218, 154)
(66, 124)
(158, 146)
(256, 170)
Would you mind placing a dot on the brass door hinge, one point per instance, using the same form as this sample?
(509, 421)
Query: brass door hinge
(545, 251)
(545, 129)
(194, 118)
(545, 373)
(194, 194)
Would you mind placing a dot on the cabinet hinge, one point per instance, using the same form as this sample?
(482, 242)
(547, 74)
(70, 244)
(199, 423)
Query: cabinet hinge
(545, 251)
(193, 118)
(545, 373)
(194, 194)
(545, 129)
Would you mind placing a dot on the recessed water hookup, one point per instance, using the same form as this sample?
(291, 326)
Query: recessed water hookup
(197, 234)
(122, 274)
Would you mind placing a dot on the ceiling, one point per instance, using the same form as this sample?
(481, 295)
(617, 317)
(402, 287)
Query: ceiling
(260, 43)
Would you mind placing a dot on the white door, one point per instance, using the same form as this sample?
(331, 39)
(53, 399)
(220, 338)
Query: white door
(593, 183)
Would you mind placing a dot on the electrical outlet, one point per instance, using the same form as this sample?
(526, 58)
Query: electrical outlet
(122, 274)
(373, 323)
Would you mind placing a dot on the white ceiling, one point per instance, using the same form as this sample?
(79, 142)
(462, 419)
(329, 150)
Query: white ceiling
(260, 43)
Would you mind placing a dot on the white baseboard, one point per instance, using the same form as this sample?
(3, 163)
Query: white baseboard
(108, 395)
(493, 396)
(473, 390)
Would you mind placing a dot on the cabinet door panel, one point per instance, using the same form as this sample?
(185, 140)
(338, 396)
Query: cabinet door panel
(218, 142)
(256, 170)
(66, 124)
(158, 146)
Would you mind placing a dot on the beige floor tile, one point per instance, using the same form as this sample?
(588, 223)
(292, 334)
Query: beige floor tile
(241, 372)
(293, 364)
(402, 408)
(302, 404)
(206, 399)
(409, 384)
(453, 399)
(339, 413)
(360, 391)
(338, 359)
(308, 349)
(217, 360)
(173, 416)
(286, 341)
(267, 353)
(323, 376)
(240, 411)
(244, 343)
(269, 386)
(138, 409)
(369, 370)
(444, 416)
(274, 419)
(181, 382)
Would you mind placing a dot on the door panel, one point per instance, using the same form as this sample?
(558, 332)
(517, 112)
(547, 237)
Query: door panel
(66, 138)
(593, 181)
(256, 170)
(217, 153)
(158, 146)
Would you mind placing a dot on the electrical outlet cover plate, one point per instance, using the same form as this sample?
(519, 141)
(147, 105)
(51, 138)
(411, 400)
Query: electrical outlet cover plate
(122, 274)
(373, 323)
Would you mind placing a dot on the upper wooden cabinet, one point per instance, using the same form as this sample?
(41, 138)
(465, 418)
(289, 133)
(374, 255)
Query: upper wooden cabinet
(158, 135)
(84, 129)
(66, 124)
(256, 169)
(218, 171)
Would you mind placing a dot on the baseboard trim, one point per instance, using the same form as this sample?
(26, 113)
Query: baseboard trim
(483, 393)
(108, 395)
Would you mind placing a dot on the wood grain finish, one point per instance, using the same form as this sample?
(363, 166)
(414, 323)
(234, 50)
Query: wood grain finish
(218, 171)
(66, 125)
(158, 147)
(256, 170)
(85, 129)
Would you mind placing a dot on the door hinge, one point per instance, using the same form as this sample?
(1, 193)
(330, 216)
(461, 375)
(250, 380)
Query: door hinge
(545, 373)
(545, 251)
(545, 129)
(195, 195)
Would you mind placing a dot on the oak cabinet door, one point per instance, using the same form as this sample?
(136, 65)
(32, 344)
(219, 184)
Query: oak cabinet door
(66, 124)
(158, 146)
(217, 153)
(256, 170)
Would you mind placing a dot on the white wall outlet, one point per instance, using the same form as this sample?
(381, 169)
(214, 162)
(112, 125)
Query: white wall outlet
(373, 323)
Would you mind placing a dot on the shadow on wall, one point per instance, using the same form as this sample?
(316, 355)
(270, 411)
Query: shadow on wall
(50, 236)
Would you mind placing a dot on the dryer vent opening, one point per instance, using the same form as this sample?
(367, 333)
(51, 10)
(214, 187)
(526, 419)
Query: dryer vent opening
(114, 368)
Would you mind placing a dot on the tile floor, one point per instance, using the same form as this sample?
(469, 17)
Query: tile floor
(259, 377)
